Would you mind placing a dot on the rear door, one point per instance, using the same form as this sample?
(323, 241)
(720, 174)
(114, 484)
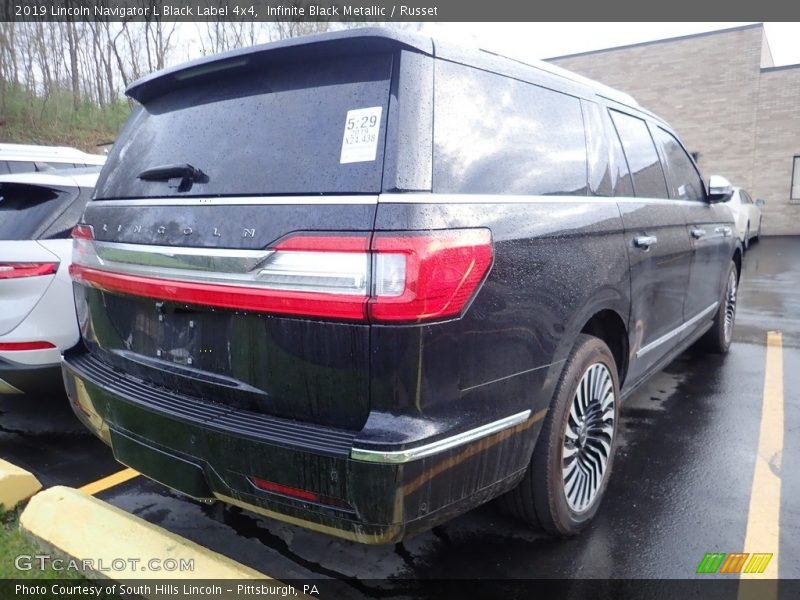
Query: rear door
(658, 248)
(708, 227)
(288, 165)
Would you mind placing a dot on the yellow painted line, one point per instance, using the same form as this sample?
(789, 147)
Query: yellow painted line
(105, 541)
(763, 518)
(108, 482)
(16, 485)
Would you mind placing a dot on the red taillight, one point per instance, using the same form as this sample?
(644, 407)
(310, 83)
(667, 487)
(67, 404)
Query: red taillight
(19, 270)
(82, 232)
(336, 306)
(393, 277)
(15, 346)
(441, 273)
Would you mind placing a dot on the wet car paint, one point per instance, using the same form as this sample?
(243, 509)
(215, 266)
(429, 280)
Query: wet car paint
(680, 488)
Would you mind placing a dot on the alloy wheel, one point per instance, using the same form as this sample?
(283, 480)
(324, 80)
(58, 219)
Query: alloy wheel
(588, 438)
(730, 306)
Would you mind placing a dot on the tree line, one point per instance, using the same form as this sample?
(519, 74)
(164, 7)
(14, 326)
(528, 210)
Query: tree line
(64, 82)
(93, 62)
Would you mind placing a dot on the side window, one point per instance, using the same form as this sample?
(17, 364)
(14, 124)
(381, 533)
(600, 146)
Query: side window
(496, 135)
(684, 181)
(599, 164)
(21, 166)
(746, 199)
(4, 167)
(795, 192)
(643, 161)
(620, 174)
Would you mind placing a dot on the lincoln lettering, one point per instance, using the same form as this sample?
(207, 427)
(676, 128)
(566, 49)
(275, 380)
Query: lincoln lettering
(186, 230)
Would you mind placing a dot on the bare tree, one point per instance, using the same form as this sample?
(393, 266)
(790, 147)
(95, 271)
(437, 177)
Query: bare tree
(75, 77)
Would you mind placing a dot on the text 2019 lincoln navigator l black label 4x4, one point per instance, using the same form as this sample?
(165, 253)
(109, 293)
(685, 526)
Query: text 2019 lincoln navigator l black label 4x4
(363, 282)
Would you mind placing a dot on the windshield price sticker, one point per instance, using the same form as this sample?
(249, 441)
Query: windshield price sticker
(360, 141)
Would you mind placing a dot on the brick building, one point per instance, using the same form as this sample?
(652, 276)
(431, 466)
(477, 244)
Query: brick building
(727, 101)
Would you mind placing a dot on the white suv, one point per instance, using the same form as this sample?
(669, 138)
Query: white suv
(37, 311)
(25, 158)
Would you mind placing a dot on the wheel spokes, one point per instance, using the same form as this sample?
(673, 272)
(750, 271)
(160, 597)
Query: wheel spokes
(588, 437)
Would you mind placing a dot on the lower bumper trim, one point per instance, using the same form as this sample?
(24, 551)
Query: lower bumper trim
(448, 443)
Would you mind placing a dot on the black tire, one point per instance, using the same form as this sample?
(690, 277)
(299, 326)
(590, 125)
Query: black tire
(746, 243)
(718, 338)
(540, 499)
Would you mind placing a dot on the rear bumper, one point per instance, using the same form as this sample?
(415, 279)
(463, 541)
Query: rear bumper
(16, 378)
(211, 451)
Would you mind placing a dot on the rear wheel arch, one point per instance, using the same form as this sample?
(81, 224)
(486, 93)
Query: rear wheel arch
(737, 260)
(609, 326)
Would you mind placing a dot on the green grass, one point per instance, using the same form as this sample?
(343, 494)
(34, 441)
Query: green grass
(14, 544)
(27, 118)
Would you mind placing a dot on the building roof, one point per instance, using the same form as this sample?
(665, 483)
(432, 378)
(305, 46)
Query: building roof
(660, 41)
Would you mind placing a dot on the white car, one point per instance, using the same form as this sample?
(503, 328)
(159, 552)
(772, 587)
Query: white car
(37, 310)
(26, 158)
(747, 213)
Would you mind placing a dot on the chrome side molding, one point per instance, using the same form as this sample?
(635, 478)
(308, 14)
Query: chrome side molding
(448, 443)
(677, 331)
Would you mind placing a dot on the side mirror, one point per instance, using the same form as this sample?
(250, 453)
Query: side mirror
(719, 189)
(760, 202)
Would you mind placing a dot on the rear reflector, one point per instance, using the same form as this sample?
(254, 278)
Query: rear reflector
(19, 270)
(292, 492)
(14, 346)
(383, 277)
(277, 488)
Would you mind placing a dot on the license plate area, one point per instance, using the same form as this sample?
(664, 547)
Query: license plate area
(179, 335)
(164, 332)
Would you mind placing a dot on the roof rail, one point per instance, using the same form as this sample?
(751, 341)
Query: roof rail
(601, 89)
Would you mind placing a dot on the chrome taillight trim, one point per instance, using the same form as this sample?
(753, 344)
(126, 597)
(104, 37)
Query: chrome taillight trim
(245, 268)
(179, 257)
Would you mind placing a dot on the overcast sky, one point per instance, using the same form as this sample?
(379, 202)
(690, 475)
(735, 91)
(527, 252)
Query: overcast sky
(546, 40)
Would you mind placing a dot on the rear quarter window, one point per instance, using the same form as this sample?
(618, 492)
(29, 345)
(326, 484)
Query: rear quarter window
(685, 182)
(497, 135)
(640, 151)
(26, 211)
(275, 131)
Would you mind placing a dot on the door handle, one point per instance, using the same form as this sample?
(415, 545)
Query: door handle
(644, 241)
(698, 233)
(725, 231)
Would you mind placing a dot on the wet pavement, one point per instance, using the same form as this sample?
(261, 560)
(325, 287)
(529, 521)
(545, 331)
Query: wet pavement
(681, 484)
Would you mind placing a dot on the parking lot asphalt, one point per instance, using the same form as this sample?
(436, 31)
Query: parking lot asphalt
(682, 486)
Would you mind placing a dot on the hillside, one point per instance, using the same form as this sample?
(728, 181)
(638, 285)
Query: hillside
(31, 119)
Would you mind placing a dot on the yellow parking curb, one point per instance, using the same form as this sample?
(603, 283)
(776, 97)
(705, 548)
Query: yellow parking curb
(16, 485)
(106, 541)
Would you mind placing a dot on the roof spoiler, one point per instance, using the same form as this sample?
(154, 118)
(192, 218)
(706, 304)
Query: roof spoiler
(338, 43)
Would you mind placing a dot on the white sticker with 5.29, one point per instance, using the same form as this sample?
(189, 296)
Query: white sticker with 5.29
(361, 129)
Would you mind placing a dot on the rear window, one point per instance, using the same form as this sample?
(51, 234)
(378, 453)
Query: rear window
(497, 135)
(281, 130)
(27, 210)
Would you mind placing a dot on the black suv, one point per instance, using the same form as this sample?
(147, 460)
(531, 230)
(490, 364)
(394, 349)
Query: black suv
(363, 282)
